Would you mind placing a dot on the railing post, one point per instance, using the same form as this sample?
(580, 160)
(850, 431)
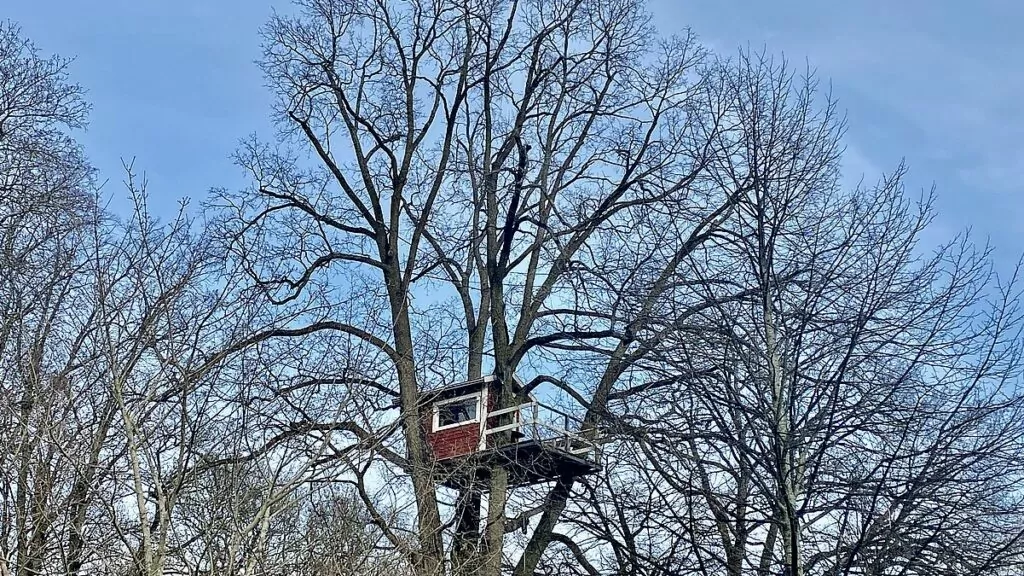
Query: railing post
(565, 429)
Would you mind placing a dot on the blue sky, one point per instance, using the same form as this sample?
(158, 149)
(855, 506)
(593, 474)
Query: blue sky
(173, 85)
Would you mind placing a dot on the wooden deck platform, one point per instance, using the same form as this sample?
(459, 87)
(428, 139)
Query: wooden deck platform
(528, 462)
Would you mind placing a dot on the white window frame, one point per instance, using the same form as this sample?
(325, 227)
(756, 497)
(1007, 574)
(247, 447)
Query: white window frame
(437, 406)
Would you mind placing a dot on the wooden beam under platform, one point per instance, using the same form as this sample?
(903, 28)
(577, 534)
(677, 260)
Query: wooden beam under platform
(527, 461)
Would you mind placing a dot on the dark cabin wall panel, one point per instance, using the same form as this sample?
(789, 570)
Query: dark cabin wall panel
(457, 441)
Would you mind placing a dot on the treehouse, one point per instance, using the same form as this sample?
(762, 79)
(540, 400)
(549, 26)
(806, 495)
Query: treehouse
(471, 435)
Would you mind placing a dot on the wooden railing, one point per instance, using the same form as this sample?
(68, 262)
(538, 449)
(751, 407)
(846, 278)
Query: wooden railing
(543, 431)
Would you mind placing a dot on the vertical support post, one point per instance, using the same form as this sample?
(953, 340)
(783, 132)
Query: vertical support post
(565, 430)
(482, 413)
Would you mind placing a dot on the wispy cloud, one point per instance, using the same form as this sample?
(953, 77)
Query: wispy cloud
(936, 82)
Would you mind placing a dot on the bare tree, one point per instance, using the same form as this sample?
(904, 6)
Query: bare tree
(783, 377)
(127, 355)
(45, 207)
(475, 166)
(859, 411)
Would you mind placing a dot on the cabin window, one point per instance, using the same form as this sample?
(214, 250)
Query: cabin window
(456, 411)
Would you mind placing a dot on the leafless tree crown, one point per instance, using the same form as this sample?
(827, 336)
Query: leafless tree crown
(783, 376)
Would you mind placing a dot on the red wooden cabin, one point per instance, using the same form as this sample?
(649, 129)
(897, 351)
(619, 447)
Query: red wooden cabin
(470, 435)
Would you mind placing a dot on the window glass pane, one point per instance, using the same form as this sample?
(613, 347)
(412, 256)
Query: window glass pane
(456, 412)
